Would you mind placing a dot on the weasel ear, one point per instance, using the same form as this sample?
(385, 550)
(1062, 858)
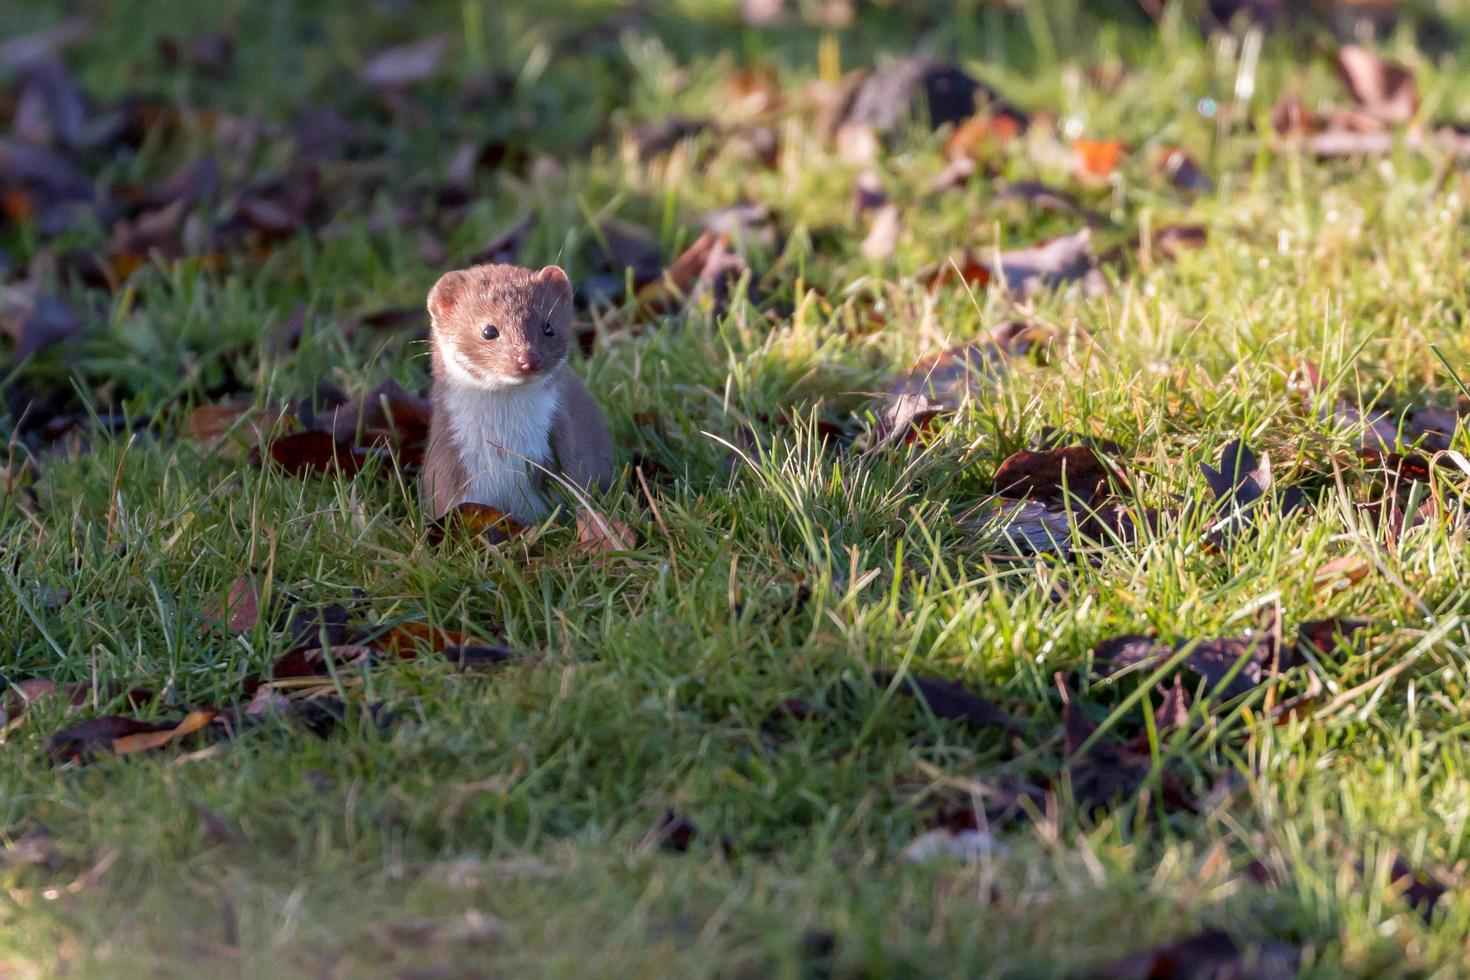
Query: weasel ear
(555, 275)
(446, 293)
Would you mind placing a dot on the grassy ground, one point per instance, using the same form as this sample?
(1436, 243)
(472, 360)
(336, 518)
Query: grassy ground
(501, 823)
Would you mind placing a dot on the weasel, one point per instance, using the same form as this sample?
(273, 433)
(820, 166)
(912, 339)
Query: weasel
(506, 406)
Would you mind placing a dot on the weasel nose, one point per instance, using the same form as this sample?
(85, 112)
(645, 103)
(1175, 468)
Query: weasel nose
(527, 363)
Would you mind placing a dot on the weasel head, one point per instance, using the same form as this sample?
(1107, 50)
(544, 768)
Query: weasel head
(501, 326)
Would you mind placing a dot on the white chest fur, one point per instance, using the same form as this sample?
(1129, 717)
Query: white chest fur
(499, 434)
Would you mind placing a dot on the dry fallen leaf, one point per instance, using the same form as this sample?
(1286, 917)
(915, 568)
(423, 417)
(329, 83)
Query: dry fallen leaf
(121, 735)
(1385, 90)
(308, 453)
(1246, 661)
(882, 237)
(982, 135)
(940, 383)
(1096, 159)
(1054, 262)
(1103, 770)
(1182, 171)
(1210, 954)
(478, 520)
(950, 700)
(1054, 474)
(240, 611)
(244, 429)
(1341, 573)
(1240, 485)
(407, 63)
(145, 741)
(599, 534)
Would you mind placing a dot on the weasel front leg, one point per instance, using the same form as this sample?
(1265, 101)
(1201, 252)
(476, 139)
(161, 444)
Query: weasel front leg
(443, 480)
(579, 438)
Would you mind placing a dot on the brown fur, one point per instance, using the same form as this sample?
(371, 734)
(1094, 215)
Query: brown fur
(519, 302)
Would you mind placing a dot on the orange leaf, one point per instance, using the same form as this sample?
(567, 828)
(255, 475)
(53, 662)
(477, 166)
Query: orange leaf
(144, 741)
(479, 519)
(405, 639)
(981, 134)
(967, 268)
(1097, 158)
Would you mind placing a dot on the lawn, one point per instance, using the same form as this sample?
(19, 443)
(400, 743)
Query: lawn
(964, 606)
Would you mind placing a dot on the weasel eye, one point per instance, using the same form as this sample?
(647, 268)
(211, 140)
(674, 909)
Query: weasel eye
(549, 330)
(489, 332)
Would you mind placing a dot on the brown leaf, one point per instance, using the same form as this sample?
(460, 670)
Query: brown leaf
(1421, 890)
(624, 247)
(679, 278)
(1109, 770)
(1247, 660)
(982, 135)
(1212, 955)
(21, 695)
(1030, 526)
(1172, 241)
(1434, 428)
(1324, 636)
(39, 324)
(50, 108)
(1384, 89)
(950, 700)
(311, 661)
(404, 640)
(1053, 474)
(1239, 485)
(83, 742)
(241, 609)
(401, 66)
(883, 232)
(940, 383)
(1182, 171)
(1054, 262)
(209, 54)
(598, 534)
(388, 417)
(1038, 195)
(307, 453)
(211, 424)
(915, 86)
(1341, 573)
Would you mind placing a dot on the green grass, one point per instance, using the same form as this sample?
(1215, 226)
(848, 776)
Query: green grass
(527, 793)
